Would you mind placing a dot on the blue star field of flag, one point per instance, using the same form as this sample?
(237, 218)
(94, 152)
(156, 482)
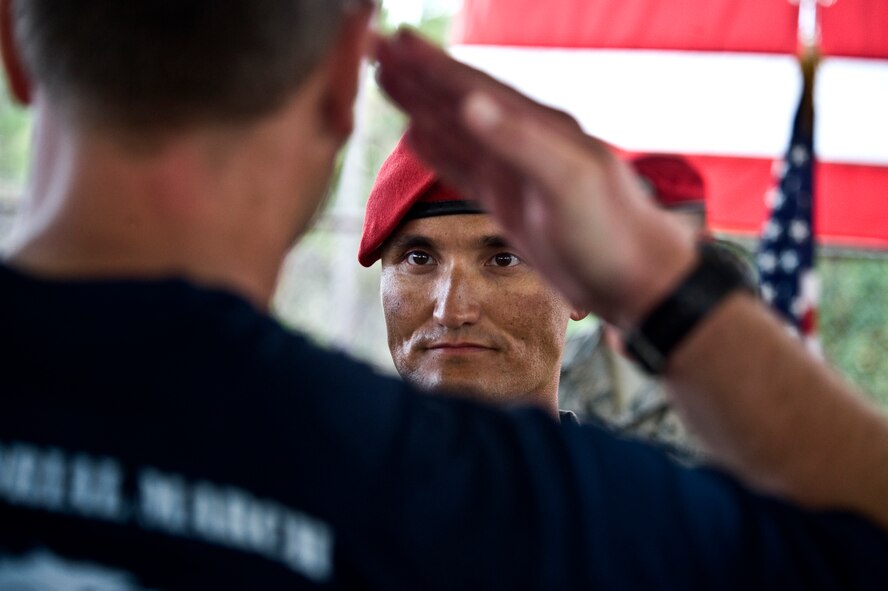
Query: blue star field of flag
(786, 250)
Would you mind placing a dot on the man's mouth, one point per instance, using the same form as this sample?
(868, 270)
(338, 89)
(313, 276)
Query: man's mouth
(459, 347)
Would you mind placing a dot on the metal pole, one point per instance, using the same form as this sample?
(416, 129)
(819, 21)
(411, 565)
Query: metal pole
(809, 31)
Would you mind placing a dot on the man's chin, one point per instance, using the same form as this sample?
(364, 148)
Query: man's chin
(466, 387)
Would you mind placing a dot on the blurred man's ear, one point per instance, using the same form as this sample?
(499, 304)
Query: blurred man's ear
(578, 314)
(344, 65)
(19, 85)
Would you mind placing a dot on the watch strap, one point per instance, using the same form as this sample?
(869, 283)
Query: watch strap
(717, 273)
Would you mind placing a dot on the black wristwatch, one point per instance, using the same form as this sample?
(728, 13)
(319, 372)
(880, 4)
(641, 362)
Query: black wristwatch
(718, 273)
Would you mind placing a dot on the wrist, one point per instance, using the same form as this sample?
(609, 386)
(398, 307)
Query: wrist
(664, 261)
(716, 274)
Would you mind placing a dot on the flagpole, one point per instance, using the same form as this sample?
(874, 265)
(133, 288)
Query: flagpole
(809, 58)
(809, 29)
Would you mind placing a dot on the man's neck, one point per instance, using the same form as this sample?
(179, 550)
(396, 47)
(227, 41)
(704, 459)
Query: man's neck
(94, 209)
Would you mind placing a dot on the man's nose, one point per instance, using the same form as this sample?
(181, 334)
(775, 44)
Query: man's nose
(458, 297)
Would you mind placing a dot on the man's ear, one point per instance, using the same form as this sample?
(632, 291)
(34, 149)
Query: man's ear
(343, 67)
(19, 85)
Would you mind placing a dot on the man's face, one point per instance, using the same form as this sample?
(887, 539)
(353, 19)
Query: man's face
(465, 313)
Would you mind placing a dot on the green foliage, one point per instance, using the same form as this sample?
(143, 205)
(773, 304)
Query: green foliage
(433, 25)
(436, 27)
(854, 320)
(14, 139)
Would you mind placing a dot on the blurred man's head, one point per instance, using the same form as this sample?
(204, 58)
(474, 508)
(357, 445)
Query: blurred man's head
(149, 64)
(202, 133)
(463, 310)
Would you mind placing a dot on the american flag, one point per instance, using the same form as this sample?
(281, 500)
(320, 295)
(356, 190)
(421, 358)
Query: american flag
(787, 248)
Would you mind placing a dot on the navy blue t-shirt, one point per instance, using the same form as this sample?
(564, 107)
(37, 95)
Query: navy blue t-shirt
(157, 435)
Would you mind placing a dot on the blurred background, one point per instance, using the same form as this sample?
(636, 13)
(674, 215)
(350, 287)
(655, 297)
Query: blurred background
(327, 294)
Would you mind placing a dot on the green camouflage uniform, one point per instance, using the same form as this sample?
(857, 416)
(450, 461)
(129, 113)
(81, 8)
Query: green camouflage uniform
(602, 386)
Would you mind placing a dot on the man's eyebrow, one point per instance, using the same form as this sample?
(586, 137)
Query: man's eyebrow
(494, 241)
(411, 241)
(408, 241)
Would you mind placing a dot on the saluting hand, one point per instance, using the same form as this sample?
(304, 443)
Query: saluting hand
(564, 198)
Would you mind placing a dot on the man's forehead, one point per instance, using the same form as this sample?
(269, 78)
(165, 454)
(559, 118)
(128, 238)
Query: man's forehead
(465, 230)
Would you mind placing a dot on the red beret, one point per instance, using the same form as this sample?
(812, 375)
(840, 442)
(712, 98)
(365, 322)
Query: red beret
(674, 181)
(402, 182)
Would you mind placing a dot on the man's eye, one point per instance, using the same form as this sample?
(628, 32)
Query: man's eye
(505, 259)
(419, 258)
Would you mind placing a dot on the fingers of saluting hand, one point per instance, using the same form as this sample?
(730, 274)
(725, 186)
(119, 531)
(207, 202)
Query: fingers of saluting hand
(553, 188)
(556, 159)
(489, 125)
(431, 88)
(407, 56)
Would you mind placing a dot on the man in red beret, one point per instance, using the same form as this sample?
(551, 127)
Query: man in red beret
(464, 311)
(598, 380)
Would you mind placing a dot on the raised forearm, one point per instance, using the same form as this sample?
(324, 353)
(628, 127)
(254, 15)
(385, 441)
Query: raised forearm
(776, 417)
(773, 414)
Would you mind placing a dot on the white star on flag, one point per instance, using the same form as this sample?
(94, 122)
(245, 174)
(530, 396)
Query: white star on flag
(798, 230)
(789, 261)
(773, 229)
(767, 261)
(799, 155)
